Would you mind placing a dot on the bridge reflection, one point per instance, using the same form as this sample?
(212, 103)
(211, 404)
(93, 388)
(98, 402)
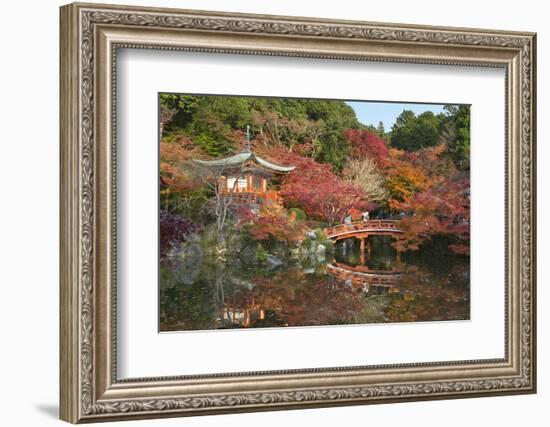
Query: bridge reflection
(363, 277)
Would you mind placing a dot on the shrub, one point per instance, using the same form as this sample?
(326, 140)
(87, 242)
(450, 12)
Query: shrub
(299, 214)
(173, 229)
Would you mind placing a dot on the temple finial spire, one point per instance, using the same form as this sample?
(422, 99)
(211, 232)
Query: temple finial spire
(247, 144)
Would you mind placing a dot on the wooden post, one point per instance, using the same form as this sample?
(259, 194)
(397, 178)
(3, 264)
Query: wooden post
(362, 258)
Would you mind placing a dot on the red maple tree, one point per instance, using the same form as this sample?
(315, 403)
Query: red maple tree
(366, 144)
(316, 189)
(442, 209)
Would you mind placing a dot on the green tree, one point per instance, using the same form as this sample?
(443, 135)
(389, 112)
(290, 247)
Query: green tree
(380, 131)
(213, 122)
(456, 134)
(411, 132)
(337, 116)
(177, 109)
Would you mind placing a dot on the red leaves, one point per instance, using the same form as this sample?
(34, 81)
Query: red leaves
(273, 221)
(316, 189)
(404, 176)
(441, 209)
(302, 299)
(366, 144)
(173, 230)
(424, 185)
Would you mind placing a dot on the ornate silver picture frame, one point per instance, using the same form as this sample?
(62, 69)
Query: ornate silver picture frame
(91, 34)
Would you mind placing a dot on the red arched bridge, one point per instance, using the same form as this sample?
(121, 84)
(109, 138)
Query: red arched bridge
(363, 229)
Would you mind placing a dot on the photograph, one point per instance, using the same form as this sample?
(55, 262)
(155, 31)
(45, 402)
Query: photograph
(285, 212)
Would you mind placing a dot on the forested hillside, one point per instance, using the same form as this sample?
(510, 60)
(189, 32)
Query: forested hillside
(418, 170)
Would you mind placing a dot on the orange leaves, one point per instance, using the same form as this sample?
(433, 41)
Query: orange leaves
(426, 186)
(404, 180)
(442, 209)
(173, 154)
(405, 173)
(273, 221)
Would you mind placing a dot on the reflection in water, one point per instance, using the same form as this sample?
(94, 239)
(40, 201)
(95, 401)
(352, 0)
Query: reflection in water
(350, 287)
(375, 265)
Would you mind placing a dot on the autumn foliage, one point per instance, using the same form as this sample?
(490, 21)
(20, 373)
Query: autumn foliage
(443, 209)
(425, 188)
(173, 230)
(274, 222)
(341, 167)
(173, 155)
(366, 144)
(320, 192)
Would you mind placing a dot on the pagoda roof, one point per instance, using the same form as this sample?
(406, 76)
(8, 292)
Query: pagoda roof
(240, 159)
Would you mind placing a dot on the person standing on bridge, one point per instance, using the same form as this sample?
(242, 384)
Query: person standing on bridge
(366, 215)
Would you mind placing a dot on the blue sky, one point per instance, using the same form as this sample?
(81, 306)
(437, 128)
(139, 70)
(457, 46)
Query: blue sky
(370, 113)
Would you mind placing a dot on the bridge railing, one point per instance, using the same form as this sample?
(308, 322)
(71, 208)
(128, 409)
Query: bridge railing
(370, 224)
(358, 279)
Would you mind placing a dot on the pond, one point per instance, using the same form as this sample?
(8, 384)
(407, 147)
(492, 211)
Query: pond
(344, 285)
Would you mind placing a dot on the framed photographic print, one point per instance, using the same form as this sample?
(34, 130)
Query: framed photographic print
(266, 212)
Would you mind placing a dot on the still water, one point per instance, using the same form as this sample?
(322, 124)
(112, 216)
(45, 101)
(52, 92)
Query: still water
(345, 286)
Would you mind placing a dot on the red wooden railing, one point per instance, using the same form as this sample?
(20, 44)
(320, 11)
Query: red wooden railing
(361, 279)
(244, 197)
(371, 226)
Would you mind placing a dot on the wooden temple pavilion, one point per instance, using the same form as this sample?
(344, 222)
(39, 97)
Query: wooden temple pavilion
(243, 176)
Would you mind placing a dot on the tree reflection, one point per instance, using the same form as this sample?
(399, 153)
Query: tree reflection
(209, 294)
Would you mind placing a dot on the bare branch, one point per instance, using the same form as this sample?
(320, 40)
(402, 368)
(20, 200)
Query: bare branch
(365, 174)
